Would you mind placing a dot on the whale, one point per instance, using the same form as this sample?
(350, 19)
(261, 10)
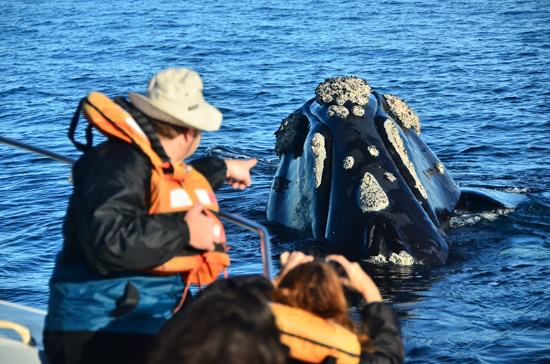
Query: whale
(354, 171)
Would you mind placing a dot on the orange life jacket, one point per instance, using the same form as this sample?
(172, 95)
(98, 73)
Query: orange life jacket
(312, 339)
(174, 187)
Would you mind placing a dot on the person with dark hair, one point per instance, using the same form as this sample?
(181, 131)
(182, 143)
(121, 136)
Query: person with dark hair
(299, 317)
(227, 323)
(137, 213)
(312, 313)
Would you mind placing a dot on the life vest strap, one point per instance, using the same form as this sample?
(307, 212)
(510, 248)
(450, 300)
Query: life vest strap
(207, 268)
(72, 130)
(147, 128)
(89, 135)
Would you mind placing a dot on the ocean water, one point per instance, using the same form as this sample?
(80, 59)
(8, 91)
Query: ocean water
(476, 72)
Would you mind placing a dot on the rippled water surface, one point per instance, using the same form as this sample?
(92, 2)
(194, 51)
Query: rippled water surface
(476, 72)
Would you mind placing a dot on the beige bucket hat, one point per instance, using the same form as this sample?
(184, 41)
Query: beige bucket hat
(175, 97)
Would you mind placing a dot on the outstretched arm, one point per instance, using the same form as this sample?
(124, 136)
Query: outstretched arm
(238, 172)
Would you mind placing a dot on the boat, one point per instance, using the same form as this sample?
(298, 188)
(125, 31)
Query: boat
(21, 334)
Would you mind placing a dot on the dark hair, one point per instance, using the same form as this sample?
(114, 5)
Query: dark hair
(167, 130)
(223, 326)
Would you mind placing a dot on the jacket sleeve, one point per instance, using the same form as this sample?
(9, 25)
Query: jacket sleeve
(382, 326)
(213, 168)
(108, 209)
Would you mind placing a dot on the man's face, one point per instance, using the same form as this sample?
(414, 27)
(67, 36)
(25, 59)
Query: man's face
(197, 139)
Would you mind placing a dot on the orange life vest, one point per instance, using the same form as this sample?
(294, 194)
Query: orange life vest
(174, 187)
(312, 339)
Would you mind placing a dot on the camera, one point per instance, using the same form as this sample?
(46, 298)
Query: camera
(337, 268)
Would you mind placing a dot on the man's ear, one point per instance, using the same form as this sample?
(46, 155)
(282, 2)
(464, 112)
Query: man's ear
(189, 134)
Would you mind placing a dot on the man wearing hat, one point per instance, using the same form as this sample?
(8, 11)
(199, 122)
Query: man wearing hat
(125, 218)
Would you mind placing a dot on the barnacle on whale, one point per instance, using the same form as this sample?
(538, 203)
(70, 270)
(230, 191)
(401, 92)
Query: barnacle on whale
(371, 196)
(395, 139)
(402, 113)
(320, 154)
(344, 95)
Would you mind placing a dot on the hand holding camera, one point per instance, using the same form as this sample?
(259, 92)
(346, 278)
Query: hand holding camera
(356, 279)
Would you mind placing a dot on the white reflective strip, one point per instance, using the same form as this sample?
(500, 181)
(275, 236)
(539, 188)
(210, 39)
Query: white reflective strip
(203, 197)
(179, 198)
(217, 231)
(133, 124)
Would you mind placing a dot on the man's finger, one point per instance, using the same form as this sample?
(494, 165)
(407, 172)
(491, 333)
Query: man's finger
(284, 258)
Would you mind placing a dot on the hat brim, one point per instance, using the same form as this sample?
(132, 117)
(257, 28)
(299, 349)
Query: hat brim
(206, 117)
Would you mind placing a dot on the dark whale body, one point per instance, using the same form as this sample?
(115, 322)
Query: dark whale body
(354, 171)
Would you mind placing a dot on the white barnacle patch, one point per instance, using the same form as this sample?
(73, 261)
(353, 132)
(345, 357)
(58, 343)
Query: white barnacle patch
(403, 113)
(358, 111)
(319, 154)
(373, 151)
(371, 196)
(336, 110)
(390, 177)
(343, 95)
(380, 258)
(286, 133)
(397, 143)
(348, 162)
(342, 90)
(436, 169)
(403, 258)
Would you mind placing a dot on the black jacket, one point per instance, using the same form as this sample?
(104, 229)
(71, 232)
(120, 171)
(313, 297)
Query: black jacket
(107, 220)
(109, 236)
(382, 327)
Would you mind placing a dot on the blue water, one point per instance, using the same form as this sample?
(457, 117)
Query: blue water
(476, 72)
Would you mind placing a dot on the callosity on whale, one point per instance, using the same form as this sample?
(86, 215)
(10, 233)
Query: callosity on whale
(354, 171)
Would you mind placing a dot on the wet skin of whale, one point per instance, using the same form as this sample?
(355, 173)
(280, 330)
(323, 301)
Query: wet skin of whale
(353, 170)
